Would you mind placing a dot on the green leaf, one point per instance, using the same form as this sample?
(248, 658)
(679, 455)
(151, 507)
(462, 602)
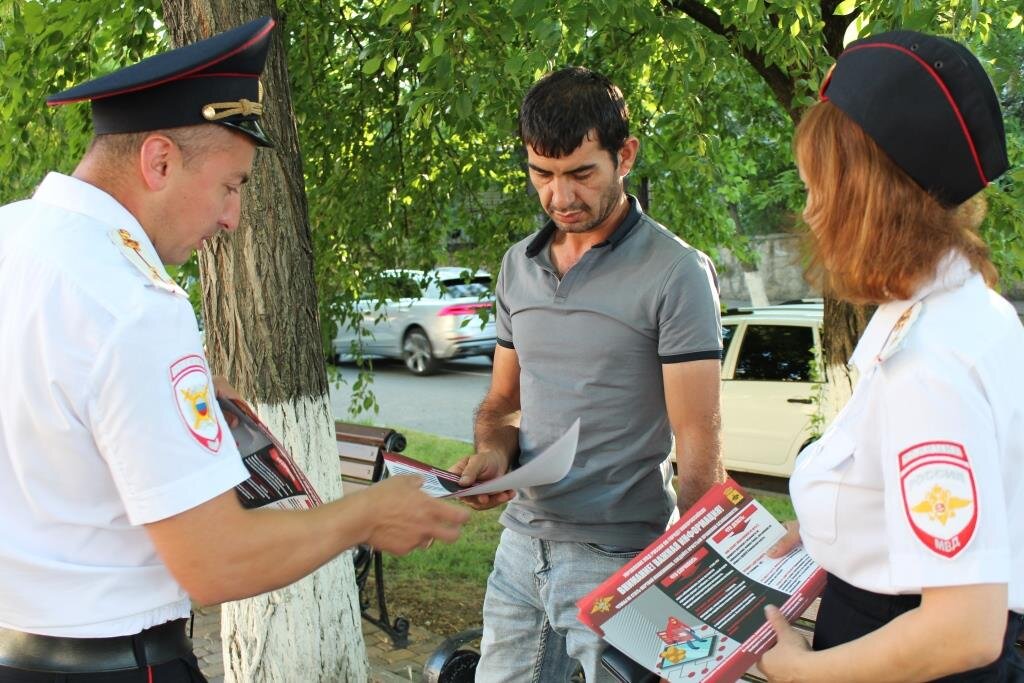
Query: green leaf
(371, 65)
(399, 7)
(438, 46)
(464, 105)
(794, 28)
(391, 65)
(426, 63)
(845, 7)
(1015, 21)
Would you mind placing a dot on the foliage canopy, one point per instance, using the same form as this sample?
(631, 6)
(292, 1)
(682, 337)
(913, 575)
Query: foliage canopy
(406, 110)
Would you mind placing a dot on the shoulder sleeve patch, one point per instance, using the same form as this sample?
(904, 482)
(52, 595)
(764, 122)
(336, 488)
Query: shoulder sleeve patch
(939, 495)
(193, 394)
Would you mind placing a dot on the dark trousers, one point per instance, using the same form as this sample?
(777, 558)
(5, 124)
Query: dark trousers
(848, 612)
(184, 670)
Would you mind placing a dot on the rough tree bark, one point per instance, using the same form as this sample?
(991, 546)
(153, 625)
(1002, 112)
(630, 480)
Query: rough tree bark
(262, 333)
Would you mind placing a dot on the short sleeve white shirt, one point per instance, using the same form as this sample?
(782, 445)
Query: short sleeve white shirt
(919, 480)
(107, 417)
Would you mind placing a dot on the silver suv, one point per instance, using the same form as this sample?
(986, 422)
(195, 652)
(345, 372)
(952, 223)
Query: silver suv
(423, 318)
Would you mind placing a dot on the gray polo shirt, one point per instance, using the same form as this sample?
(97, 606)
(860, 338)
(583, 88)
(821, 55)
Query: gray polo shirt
(591, 346)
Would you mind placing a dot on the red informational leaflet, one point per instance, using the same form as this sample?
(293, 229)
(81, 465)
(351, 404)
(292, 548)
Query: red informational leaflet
(275, 481)
(690, 606)
(436, 482)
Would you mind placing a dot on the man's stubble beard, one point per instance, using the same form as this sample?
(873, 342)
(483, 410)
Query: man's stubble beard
(609, 199)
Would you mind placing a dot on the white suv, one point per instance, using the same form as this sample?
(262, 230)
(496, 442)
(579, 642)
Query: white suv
(769, 393)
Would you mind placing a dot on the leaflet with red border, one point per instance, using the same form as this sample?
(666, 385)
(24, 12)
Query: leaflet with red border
(275, 481)
(690, 606)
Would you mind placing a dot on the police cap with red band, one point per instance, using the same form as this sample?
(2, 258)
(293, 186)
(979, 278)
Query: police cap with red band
(211, 81)
(928, 103)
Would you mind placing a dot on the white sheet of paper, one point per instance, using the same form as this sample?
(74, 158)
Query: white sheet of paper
(551, 465)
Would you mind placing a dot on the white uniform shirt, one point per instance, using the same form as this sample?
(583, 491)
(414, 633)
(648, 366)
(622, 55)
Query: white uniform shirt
(919, 481)
(107, 417)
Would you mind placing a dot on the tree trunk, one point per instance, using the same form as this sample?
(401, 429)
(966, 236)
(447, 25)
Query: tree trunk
(262, 333)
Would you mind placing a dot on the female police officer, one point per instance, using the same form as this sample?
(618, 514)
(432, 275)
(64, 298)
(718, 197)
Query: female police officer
(909, 500)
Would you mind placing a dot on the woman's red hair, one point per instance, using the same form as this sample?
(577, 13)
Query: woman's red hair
(876, 235)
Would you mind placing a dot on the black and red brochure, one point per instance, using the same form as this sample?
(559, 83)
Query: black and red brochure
(690, 606)
(275, 481)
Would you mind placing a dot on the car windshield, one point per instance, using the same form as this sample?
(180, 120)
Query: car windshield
(456, 288)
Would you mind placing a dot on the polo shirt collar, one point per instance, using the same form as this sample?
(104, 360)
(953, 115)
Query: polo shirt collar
(630, 220)
(952, 272)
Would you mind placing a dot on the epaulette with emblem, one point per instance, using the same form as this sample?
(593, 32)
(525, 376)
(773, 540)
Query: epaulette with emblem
(898, 333)
(132, 251)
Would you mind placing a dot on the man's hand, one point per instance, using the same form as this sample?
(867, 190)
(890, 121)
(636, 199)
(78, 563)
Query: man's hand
(781, 664)
(401, 517)
(483, 467)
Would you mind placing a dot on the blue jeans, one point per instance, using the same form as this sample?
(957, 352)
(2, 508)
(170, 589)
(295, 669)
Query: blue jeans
(530, 628)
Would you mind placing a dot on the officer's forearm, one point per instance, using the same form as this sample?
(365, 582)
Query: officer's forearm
(219, 551)
(957, 628)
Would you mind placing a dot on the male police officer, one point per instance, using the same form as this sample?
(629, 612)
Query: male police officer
(115, 466)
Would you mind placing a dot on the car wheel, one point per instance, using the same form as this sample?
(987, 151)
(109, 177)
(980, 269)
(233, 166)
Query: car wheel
(418, 354)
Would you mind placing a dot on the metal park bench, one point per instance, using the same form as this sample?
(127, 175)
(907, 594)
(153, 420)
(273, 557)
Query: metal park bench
(360, 449)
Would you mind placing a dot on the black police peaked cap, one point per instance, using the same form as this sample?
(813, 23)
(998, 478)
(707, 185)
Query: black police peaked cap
(215, 80)
(928, 103)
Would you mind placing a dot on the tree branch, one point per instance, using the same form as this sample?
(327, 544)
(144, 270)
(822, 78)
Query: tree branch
(835, 26)
(781, 83)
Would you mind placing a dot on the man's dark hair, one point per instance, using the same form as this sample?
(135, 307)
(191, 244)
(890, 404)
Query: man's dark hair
(561, 108)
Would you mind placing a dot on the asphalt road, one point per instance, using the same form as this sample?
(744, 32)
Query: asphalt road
(439, 404)
(443, 404)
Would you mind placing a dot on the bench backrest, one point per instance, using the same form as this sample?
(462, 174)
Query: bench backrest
(359, 449)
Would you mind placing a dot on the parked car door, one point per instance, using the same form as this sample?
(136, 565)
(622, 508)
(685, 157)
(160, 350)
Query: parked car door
(767, 395)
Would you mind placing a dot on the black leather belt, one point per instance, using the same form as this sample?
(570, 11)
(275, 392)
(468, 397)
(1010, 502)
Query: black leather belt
(51, 654)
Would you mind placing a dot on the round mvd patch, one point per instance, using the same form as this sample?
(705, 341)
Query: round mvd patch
(939, 495)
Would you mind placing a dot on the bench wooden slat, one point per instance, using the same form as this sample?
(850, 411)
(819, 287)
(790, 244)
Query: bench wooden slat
(355, 475)
(359, 450)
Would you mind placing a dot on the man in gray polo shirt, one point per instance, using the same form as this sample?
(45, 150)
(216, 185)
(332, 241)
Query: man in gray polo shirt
(606, 316)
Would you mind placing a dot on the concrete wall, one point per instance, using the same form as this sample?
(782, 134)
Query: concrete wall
(778, 269)
(779, 275)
